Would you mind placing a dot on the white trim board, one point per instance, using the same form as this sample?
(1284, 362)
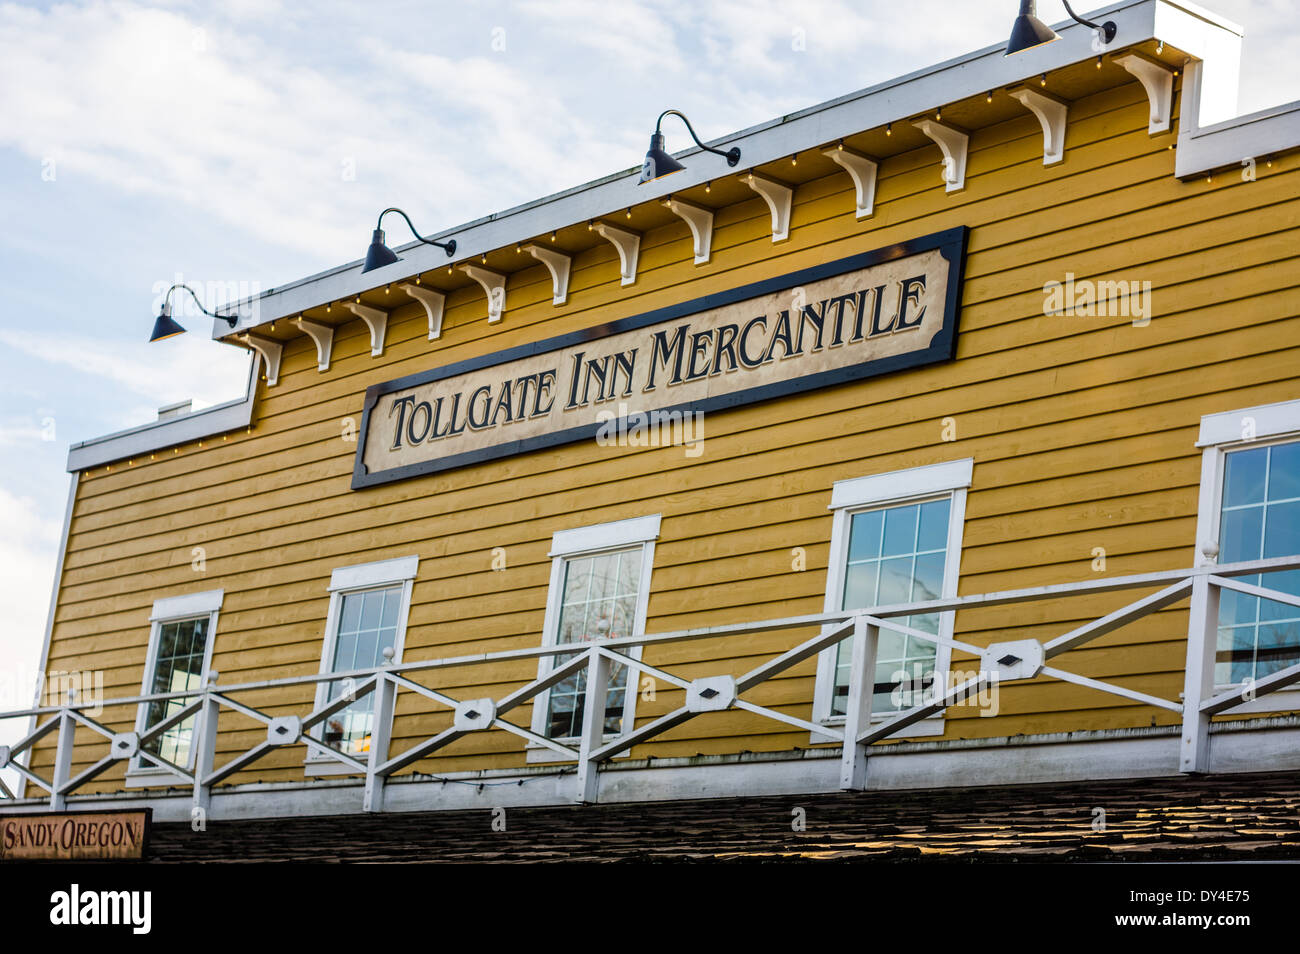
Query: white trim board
(605, 536)
(1113, 754)
(379, 573)
(190, 604)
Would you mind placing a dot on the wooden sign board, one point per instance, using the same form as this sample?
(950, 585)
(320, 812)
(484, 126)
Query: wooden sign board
(75, 836)
(865, 315)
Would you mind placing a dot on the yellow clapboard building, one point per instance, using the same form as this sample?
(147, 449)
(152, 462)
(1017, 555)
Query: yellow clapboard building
(949, 437)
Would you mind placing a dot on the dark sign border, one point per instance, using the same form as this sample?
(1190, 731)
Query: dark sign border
(951, 243)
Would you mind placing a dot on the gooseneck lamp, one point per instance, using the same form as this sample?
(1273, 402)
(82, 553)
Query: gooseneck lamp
(379, 254)
(1028, 31)
(165, 326)
(659, 164)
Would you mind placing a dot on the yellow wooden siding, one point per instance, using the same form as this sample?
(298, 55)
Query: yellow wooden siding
(1082, 431)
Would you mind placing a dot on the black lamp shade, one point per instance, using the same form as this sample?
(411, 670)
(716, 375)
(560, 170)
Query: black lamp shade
(379, 254)
(1028, 31)
(165, 327)
(657, 162)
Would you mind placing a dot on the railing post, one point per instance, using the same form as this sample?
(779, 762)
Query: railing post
(857, 713)
(381, 732)
(205, 749)
(593, 724)
(1198, 683)
(63, 756)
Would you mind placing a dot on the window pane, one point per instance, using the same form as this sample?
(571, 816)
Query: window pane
(1284, 472)
(896, 555)
(1282, 530)
(864, 535)
(933, 534)
(1243, 477)
(367, 625)
(1240, 539)
(860, 586)
(179, 666)
(600, 598)
(1257, 637)
(900, 531)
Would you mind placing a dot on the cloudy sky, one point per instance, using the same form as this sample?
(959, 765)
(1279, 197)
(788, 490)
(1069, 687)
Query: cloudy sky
(252, 142)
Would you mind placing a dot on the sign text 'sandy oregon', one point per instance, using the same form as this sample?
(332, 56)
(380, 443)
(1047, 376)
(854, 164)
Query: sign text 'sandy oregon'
(861, 316)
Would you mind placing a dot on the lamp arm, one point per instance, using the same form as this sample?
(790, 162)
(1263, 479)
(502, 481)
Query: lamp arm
(232, 320)
(449, 246)
(1108, 28)
(732, 155)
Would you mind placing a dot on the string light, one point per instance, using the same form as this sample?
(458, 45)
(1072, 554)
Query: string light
(1043, 81)
(552, 235)
(889, 129)
(938, 113)
(840, 147)
(629, 212)
(708, 187)
(989, 97)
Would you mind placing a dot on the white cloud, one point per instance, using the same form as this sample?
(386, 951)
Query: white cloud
(195, 367)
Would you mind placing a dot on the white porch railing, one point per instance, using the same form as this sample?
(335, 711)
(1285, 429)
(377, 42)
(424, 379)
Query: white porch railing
(1003, 662)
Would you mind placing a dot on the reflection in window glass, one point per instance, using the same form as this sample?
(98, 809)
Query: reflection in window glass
(367, 626)
(896, 555)
(182, 646)
(1260, 518)
(600, 596)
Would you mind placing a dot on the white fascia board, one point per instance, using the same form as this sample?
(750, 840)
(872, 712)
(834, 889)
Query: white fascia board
(158, 435)
(1255, 136)
(894, 101)
(605, 536)
(902, 484)
(374, 574)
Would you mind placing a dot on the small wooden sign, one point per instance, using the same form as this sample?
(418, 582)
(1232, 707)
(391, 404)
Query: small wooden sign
(75, 836)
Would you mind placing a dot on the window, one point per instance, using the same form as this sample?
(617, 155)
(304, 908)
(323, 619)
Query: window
(895, 538)
(179, 656)
(600, 582)
(1250, 506)
(369, 604)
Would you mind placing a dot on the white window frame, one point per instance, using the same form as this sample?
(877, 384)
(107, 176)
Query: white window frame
(583, 542)
(949, 480)
(1219, 435)
(171, 609)
(381, 575)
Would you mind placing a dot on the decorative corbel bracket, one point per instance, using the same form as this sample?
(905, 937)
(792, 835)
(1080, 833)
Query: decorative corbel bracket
(376, 320)
(1158, 81)
(494, 286)
(954, 143)
(1051, 115)
(323, 335)
(863, 173)
(559, 266)
(627, 243)
(433, 302)
(700, 221)
(779, 198)
(270, 351)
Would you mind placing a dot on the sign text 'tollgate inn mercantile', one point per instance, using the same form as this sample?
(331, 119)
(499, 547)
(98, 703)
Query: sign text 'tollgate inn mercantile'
(454, 533)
